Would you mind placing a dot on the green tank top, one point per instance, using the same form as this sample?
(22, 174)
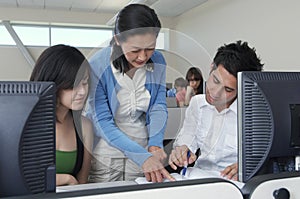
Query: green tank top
(65, 161)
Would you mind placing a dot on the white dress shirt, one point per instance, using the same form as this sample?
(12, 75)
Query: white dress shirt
(215, 133)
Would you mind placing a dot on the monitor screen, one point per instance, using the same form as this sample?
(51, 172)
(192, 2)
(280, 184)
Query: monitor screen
(268, 122)
(27, 144)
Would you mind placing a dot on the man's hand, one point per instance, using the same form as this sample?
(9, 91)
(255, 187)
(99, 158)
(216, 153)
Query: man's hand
(178, 157)
(230, 172)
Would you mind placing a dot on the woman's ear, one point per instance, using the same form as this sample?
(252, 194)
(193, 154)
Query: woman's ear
(116, 40)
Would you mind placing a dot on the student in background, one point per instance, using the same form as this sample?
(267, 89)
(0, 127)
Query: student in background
(69, 70)
(211, 119)
(171, 92)
(180, 86)
(195, 80)
(127, 103)
(179, 91)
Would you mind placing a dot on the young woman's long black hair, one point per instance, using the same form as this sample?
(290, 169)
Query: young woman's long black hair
(65, 66)
(132, 20)
(197, 74)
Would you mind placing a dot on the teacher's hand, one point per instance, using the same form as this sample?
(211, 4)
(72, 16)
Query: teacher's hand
(154, 170)
(158, 153)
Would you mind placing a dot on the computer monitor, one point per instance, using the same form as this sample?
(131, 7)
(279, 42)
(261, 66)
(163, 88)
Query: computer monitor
(268, 123)
(27, 141)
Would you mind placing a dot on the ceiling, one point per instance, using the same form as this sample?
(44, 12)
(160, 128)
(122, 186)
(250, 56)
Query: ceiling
(166, 8)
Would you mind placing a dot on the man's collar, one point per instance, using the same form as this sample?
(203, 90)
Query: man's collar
(233, 106)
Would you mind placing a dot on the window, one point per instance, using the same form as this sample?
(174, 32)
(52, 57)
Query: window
(49, 35)
(5, 38)
(80, 37)
(33, 35)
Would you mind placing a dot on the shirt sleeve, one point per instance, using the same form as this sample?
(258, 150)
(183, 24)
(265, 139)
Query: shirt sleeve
(188, 133)
(158, 113)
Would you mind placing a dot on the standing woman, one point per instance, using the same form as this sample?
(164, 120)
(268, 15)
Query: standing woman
(195, 86)
(127, 103)
(69, 70)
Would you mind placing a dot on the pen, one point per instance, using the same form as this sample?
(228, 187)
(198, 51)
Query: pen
(185, 166)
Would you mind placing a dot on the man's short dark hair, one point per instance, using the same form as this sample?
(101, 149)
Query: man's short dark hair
(236, 57)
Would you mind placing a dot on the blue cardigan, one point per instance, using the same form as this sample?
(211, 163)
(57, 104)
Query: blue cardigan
(103, 104)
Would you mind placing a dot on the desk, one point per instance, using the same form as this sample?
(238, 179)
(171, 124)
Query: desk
(89, 186)
(264, 186)
(203, 188)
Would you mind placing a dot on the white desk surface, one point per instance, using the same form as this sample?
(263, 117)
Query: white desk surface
(89, 186)
(225, 190)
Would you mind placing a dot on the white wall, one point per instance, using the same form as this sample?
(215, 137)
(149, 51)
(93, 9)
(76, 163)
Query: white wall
(270, 26)
(13, 65)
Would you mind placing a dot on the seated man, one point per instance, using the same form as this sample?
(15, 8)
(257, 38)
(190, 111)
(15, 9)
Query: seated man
(211, 119)
(180, 85)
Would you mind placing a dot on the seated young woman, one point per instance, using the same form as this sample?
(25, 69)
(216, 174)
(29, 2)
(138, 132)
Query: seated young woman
(68, 68)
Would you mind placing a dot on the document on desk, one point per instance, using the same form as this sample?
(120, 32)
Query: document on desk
(193, 173)
(177, 176)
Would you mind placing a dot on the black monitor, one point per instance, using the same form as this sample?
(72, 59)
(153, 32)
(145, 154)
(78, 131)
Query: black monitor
(268, 123)
(27, 143)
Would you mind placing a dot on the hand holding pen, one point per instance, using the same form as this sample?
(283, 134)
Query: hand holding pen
(186, 163)
(178, 157)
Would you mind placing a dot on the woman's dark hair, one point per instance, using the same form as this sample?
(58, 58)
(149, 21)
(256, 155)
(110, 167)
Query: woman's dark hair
(195, 73)
(132, 20)
(64, 65)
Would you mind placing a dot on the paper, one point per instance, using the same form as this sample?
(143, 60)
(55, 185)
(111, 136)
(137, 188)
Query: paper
(197, 173)
(193, 173)
(178, 177)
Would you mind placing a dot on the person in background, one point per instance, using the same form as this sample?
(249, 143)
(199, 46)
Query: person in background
(196, 81)
(180, 86)
(69, 70)
(179, 91)
(211, 119)
(127, 103)
(171, 92)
